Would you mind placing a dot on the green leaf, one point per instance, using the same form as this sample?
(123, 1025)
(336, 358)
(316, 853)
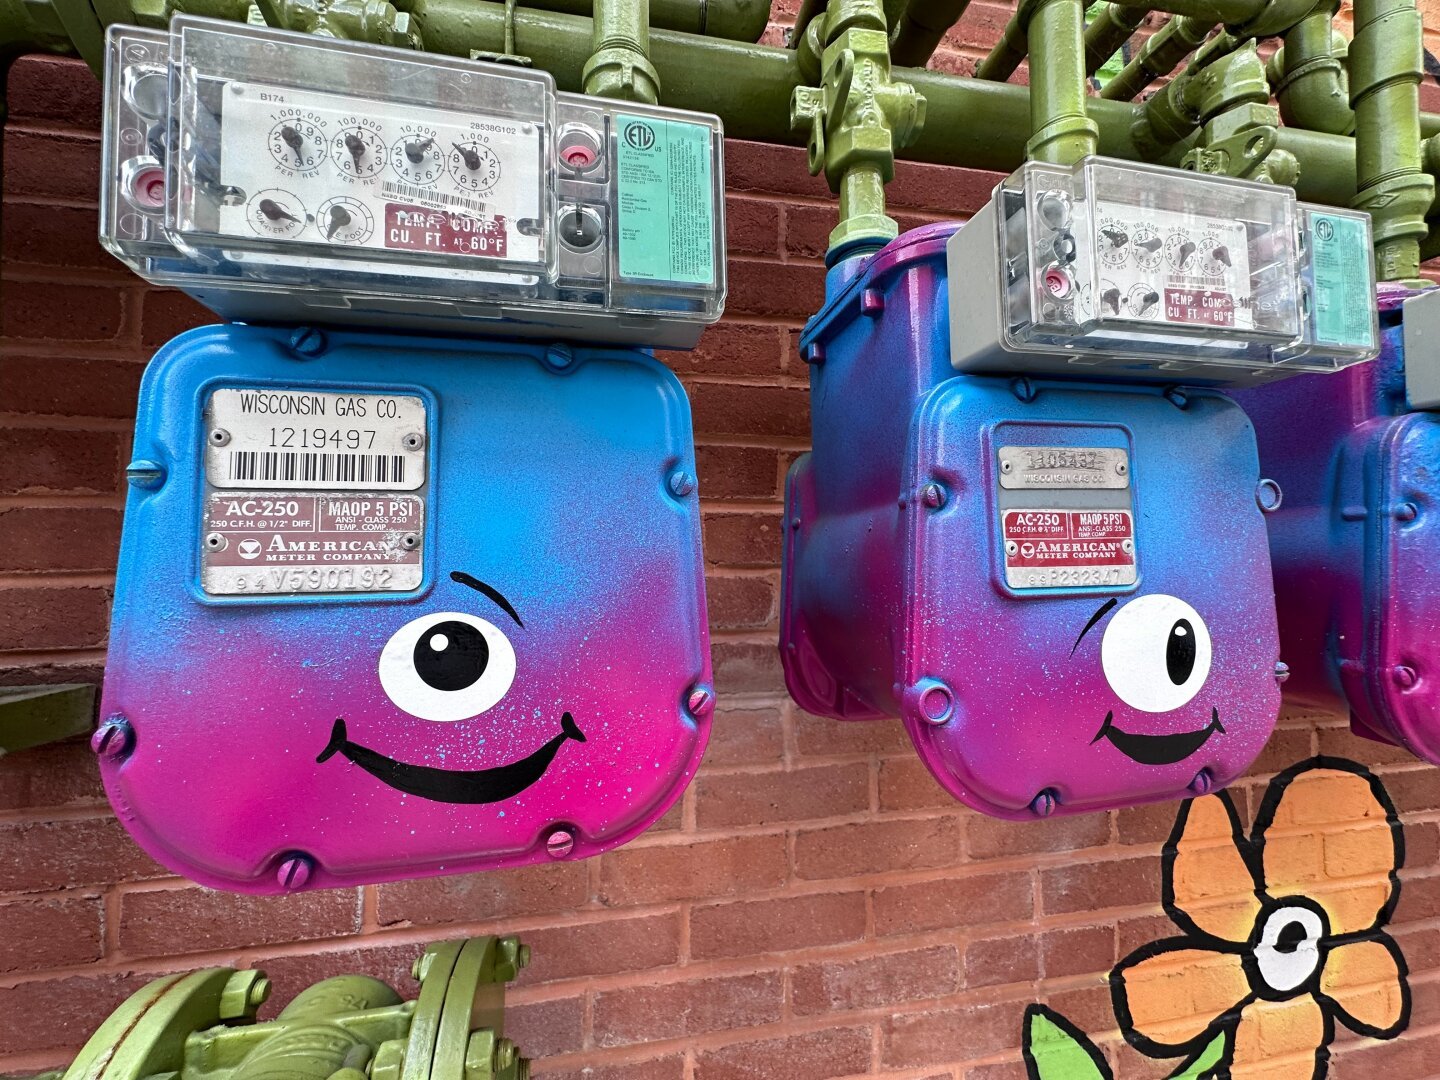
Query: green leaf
(1055, 1049)
(1204, 1063)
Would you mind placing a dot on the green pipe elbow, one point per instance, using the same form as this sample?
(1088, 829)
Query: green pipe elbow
(1108, 32)
(1308, 73)
(1159, 56)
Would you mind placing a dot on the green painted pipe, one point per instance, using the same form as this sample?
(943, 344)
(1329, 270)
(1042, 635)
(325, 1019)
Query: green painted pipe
(619, 65)
(1108, 32)
(1061, 131)
(1229, 12)
(1160, 55)
(1308, 73)
(737, 20)
(922, 25)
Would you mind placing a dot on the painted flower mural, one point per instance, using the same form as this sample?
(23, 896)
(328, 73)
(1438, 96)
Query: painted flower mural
(1282, 937)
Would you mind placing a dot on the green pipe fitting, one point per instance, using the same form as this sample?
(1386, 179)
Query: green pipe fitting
(1159, 56)
(1308, 73)
(375, 21)
(1386, 65)
(1061, 131)
(1188, 101)
(619, 65)
(1229, 12)
(920, 29)
(1112, 26)
(736, 20)
(855, 120)
(809, 9)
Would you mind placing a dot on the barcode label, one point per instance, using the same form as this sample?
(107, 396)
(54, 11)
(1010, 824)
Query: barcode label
(424, 195)
(249, 466)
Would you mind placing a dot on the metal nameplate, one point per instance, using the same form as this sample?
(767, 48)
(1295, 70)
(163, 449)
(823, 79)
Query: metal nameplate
(1063, 467)
(1061, 548)
(276, 439)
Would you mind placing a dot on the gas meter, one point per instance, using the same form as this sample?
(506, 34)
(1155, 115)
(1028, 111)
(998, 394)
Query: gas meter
(1030, 524)
(392, 604)
(1354, 543)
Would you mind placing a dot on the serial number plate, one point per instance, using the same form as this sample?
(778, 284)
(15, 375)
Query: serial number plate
(275, 439)
(1068, 548)
(1063, 467)
(258, 543)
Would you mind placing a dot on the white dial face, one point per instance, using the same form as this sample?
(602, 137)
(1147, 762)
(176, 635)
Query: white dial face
(343, 220)
(358, 151)
(473, 166)
(298, 143)
(417, 156)
(276, 212)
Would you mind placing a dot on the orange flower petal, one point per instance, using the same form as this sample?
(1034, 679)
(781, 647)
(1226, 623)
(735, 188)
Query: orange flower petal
(1274, 1037)
(1167, 995)
(1366, 981)
(1328, 835)
(1209, 888)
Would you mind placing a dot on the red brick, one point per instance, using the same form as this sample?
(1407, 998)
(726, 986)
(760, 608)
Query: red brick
(950, 192)
(954, 902)
(676, 1010)
(69, 387)
(1414, 792)
(43, 618)
(779, 290)
(743, 539)
(666, 1068)
(54, 90)
(738, 472)
(35, 309)
(61, 1013)
(1151, 824)
(779, 170)
(807, 228)
(740, 603)
(728, 409)
(1089, 1008)
(51, 932)
(55, 538)
(530, 890)
(59, 774)
(51, 673)
(51, 165)
(708, 868)
(980, 27)
(1093, 886)
(1008, 959)
(1284, 747)
(163, 922)
(37, 461)
(545, 1028)
(819, 736)
(906, 784)
(752, 226)
(49, 855)
(756, 927)
(745, 736)
(876, 847)
(989, 838)
(872, 982)
(167, 314)
(1083, 950)
(38, 235)
(949, 1035)
(603, 947)
(807, 794)
(819, 1055)
(733, 348)
(293, 972)
(743, 667)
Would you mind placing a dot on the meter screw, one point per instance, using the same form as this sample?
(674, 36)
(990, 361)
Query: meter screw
(339, 218)
(144, 474)
(872, 302)
(294, 872)
(219, 437)
(415, 149)
(1269, 496)
(1023, 388)
(1044, 804)
(1405, 677)
(216, 542)
(275, 212)
(559, 357)
(410, 541)
(307, 341)
(1406, 511)
(933, 496)
(1177, 397)
(700, 700)
(1282, 671)
(681, 483)
(114, 739)
(559, 843)
(470, 155)
(814, 353)
(1202, 783)
(413, 440)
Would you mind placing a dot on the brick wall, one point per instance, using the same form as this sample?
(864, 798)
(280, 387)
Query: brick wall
(815, 907)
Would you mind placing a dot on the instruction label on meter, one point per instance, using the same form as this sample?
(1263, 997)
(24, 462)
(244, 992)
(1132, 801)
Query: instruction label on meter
(1342, 287)
(259, 543)
(665, 200)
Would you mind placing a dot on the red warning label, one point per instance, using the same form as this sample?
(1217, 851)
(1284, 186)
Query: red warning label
(1056, 548)
(1205, 307)
(419, 228)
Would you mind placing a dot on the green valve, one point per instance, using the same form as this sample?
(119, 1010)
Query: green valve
(202, 1026)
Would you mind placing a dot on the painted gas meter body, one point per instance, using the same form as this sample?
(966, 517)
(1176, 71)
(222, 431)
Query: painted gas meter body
(1062, 587)
(397, 606)
(1355, 544)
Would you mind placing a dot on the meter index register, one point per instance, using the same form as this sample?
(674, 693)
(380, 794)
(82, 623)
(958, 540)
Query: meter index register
(285, 177)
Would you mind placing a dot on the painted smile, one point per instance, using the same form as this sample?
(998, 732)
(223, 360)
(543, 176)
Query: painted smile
(453, 786)
(1157, 749)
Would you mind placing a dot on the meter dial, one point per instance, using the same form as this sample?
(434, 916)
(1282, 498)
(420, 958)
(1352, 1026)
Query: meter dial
(1180, 253)
(1146, 245)
(417, 157)
(1111, 298)
(276, 212)
(343, 220)
(473, 165)
(297, 143)
(1143, 302)
(357, 151)
(1114, 241)
(1214, 256)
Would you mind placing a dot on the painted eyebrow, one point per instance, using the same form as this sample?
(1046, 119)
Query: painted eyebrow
(1104, 610)
(496, 595)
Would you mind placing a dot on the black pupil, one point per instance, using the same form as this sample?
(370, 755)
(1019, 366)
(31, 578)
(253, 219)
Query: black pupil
(451, 655)
(1292, 936)
(1180, 652)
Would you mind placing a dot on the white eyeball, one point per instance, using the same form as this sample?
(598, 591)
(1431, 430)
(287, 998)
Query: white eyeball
(447, 666)
(1156, 653)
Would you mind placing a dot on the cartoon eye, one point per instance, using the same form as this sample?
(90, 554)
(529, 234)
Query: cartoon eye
(1156, 653)
(447, 666)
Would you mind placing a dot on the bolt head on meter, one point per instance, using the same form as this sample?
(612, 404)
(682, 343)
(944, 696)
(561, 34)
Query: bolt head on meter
(1110, 269)
(287, 177)
(373, 613)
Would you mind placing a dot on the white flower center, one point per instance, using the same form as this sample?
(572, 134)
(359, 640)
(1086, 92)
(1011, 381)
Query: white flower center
(1288, 952)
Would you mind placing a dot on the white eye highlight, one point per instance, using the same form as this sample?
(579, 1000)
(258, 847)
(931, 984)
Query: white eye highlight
(1156, 653)
(447, 666)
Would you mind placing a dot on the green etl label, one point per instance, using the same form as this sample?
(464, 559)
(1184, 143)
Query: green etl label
(1342, 286)
(666, 212)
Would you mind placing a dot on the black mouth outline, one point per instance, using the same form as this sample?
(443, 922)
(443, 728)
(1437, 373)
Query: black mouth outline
(1158, 749)
(450, 785)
